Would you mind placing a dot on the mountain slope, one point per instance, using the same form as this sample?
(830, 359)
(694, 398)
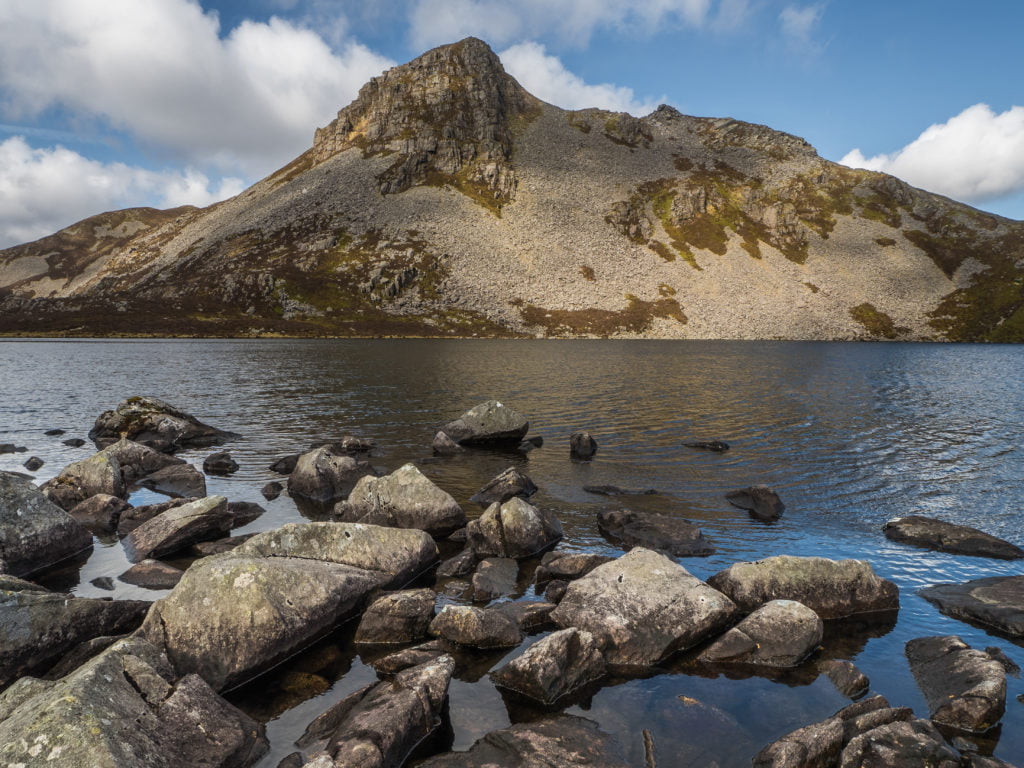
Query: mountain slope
(446, 200)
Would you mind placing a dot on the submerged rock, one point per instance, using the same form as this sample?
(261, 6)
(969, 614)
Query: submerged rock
(404, 499)
(476, 627)
(397, 617)
(12, 448)
(715, 446)
(614, 490)
(664, 533)
(34, 532)
(507, 485)
(553, 667)
(831, 588)
(74, 442)
(643, 607)
(849, 680)
(514, 529)
(582, 446)
(219, 463)
(82, 479)
(155, 424)
(997, 601)
(325, 475)
(760, 500)
(272, 490)
(781, 633)
(929, 533)
(490, 423)
(179, 527)
(965, 688)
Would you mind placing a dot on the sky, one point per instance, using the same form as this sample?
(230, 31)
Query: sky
(108, 104)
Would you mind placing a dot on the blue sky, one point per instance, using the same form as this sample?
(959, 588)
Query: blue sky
(114, 103)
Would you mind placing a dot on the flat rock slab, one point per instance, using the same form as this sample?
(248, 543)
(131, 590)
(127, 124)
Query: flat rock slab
(643, 607)
(903, 743)
(553, 667)
(397, 617)
(495, 577)
(490, 423)
(663, 533)
(759, 500)
(34, 532)
(152, 574)
(996, 602)
(831, 588)
(928, 533)
(404, 499)
(781, 633)
(560, 741)
(179, 527)
(965, 688)
(514, 529)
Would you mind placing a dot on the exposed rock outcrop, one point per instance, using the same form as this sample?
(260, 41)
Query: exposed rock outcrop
(514, 529)
(397, 617)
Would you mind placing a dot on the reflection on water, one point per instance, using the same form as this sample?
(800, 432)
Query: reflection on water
(849, 434)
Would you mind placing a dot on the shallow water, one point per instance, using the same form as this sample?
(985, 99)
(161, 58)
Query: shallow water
(850, 435)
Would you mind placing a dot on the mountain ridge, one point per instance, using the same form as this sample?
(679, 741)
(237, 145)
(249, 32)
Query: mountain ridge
(445, 200)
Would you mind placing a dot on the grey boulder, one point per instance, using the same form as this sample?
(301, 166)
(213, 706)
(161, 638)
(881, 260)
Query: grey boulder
(643, 607)
(494, 577)
(849, 680)
(928, 533)
(324, 474)
(34, 532)
(781, 633)
(445, 446)
(219, 463)
(155, 424)
(582, 446)
(505, 486)
(832, 589)
(664, 533)
(553, 667)
(137, 460)
(397, 617)
(567, 565)
(514, 529)
(178, 527)
(997, 602)
(476, 627)
(33, 463)
(404, 499)
(133, 517)
(901, 744)
(82, 479)
(100, 512)
(759, 500)
(490, 423)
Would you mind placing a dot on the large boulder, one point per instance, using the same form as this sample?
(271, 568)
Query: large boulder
(155, 424)
(378, 726)
(780, 633)
(37, 627)
(664, 533)
(997, 602)
(34, 532)
(178, 527)
(964, 688)
(137, 460)
(127, 709)
(82, 479)
(759, 500)
(930, 533)
(831, 588)
(505, 486)
(490, 423)
(514, 529)
(557, 741)
(397, 617)
(643, 607)
(404, 499)
(324, 474)
(553, 667)
(476, 627)
(235, 615)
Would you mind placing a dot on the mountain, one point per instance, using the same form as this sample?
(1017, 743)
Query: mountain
(447, 201)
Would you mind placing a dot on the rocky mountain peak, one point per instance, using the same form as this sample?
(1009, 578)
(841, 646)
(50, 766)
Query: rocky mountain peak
(447, 117)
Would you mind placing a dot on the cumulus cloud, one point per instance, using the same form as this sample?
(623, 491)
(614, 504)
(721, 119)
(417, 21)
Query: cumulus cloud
(162, 72)
(43, 190)
(975, 156)
(547, 78)
(434, 22)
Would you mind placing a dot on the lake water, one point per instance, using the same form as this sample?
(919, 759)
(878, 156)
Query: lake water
(850, 435)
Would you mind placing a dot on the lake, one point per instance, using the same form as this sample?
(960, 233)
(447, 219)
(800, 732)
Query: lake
(850, 435)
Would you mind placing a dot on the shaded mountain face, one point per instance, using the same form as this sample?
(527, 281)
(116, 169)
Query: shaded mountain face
(447, 201)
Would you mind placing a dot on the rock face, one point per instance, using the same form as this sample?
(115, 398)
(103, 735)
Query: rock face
(235, 615)
(514, 529)
(929, 533)
(996, 602)
(643, 607)
(780, 633)
(476, 627)
(155, 424)
(324, 474)
(380, 725)
(664, 533)
(582, 446)
(127, 708)
(760, 500)
(490, 423)
(507, 485)
(178, 527)
(559, 741)
(36, 628)
(553, 667)
(85, 478)
(397, 617)
(34, 532)
(965, 688)
(404, 499)
(831, 588)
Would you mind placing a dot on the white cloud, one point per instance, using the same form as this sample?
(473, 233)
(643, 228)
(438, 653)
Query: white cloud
(434, 22)
(798, 24)
(547, 78)
(975, 156)
(161, 71)
(43, 190)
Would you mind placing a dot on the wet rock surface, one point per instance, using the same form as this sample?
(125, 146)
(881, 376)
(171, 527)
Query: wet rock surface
(397, 617)
(34, 532)
(476, 627)
(715, 446)
(553, 667)
(325, 475)
(179, 527)
(85, 478)
(929, 533)
(997, 602)
(781, 633)
(567, 565)
(845, 676)
(152, 574)
(514, 529)
(488, 424)
(494, 577)
(155, 424)
(759, 500)
(33, 463)
(507, 485)
(100, 512)
(179, 480)
(663, 533)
